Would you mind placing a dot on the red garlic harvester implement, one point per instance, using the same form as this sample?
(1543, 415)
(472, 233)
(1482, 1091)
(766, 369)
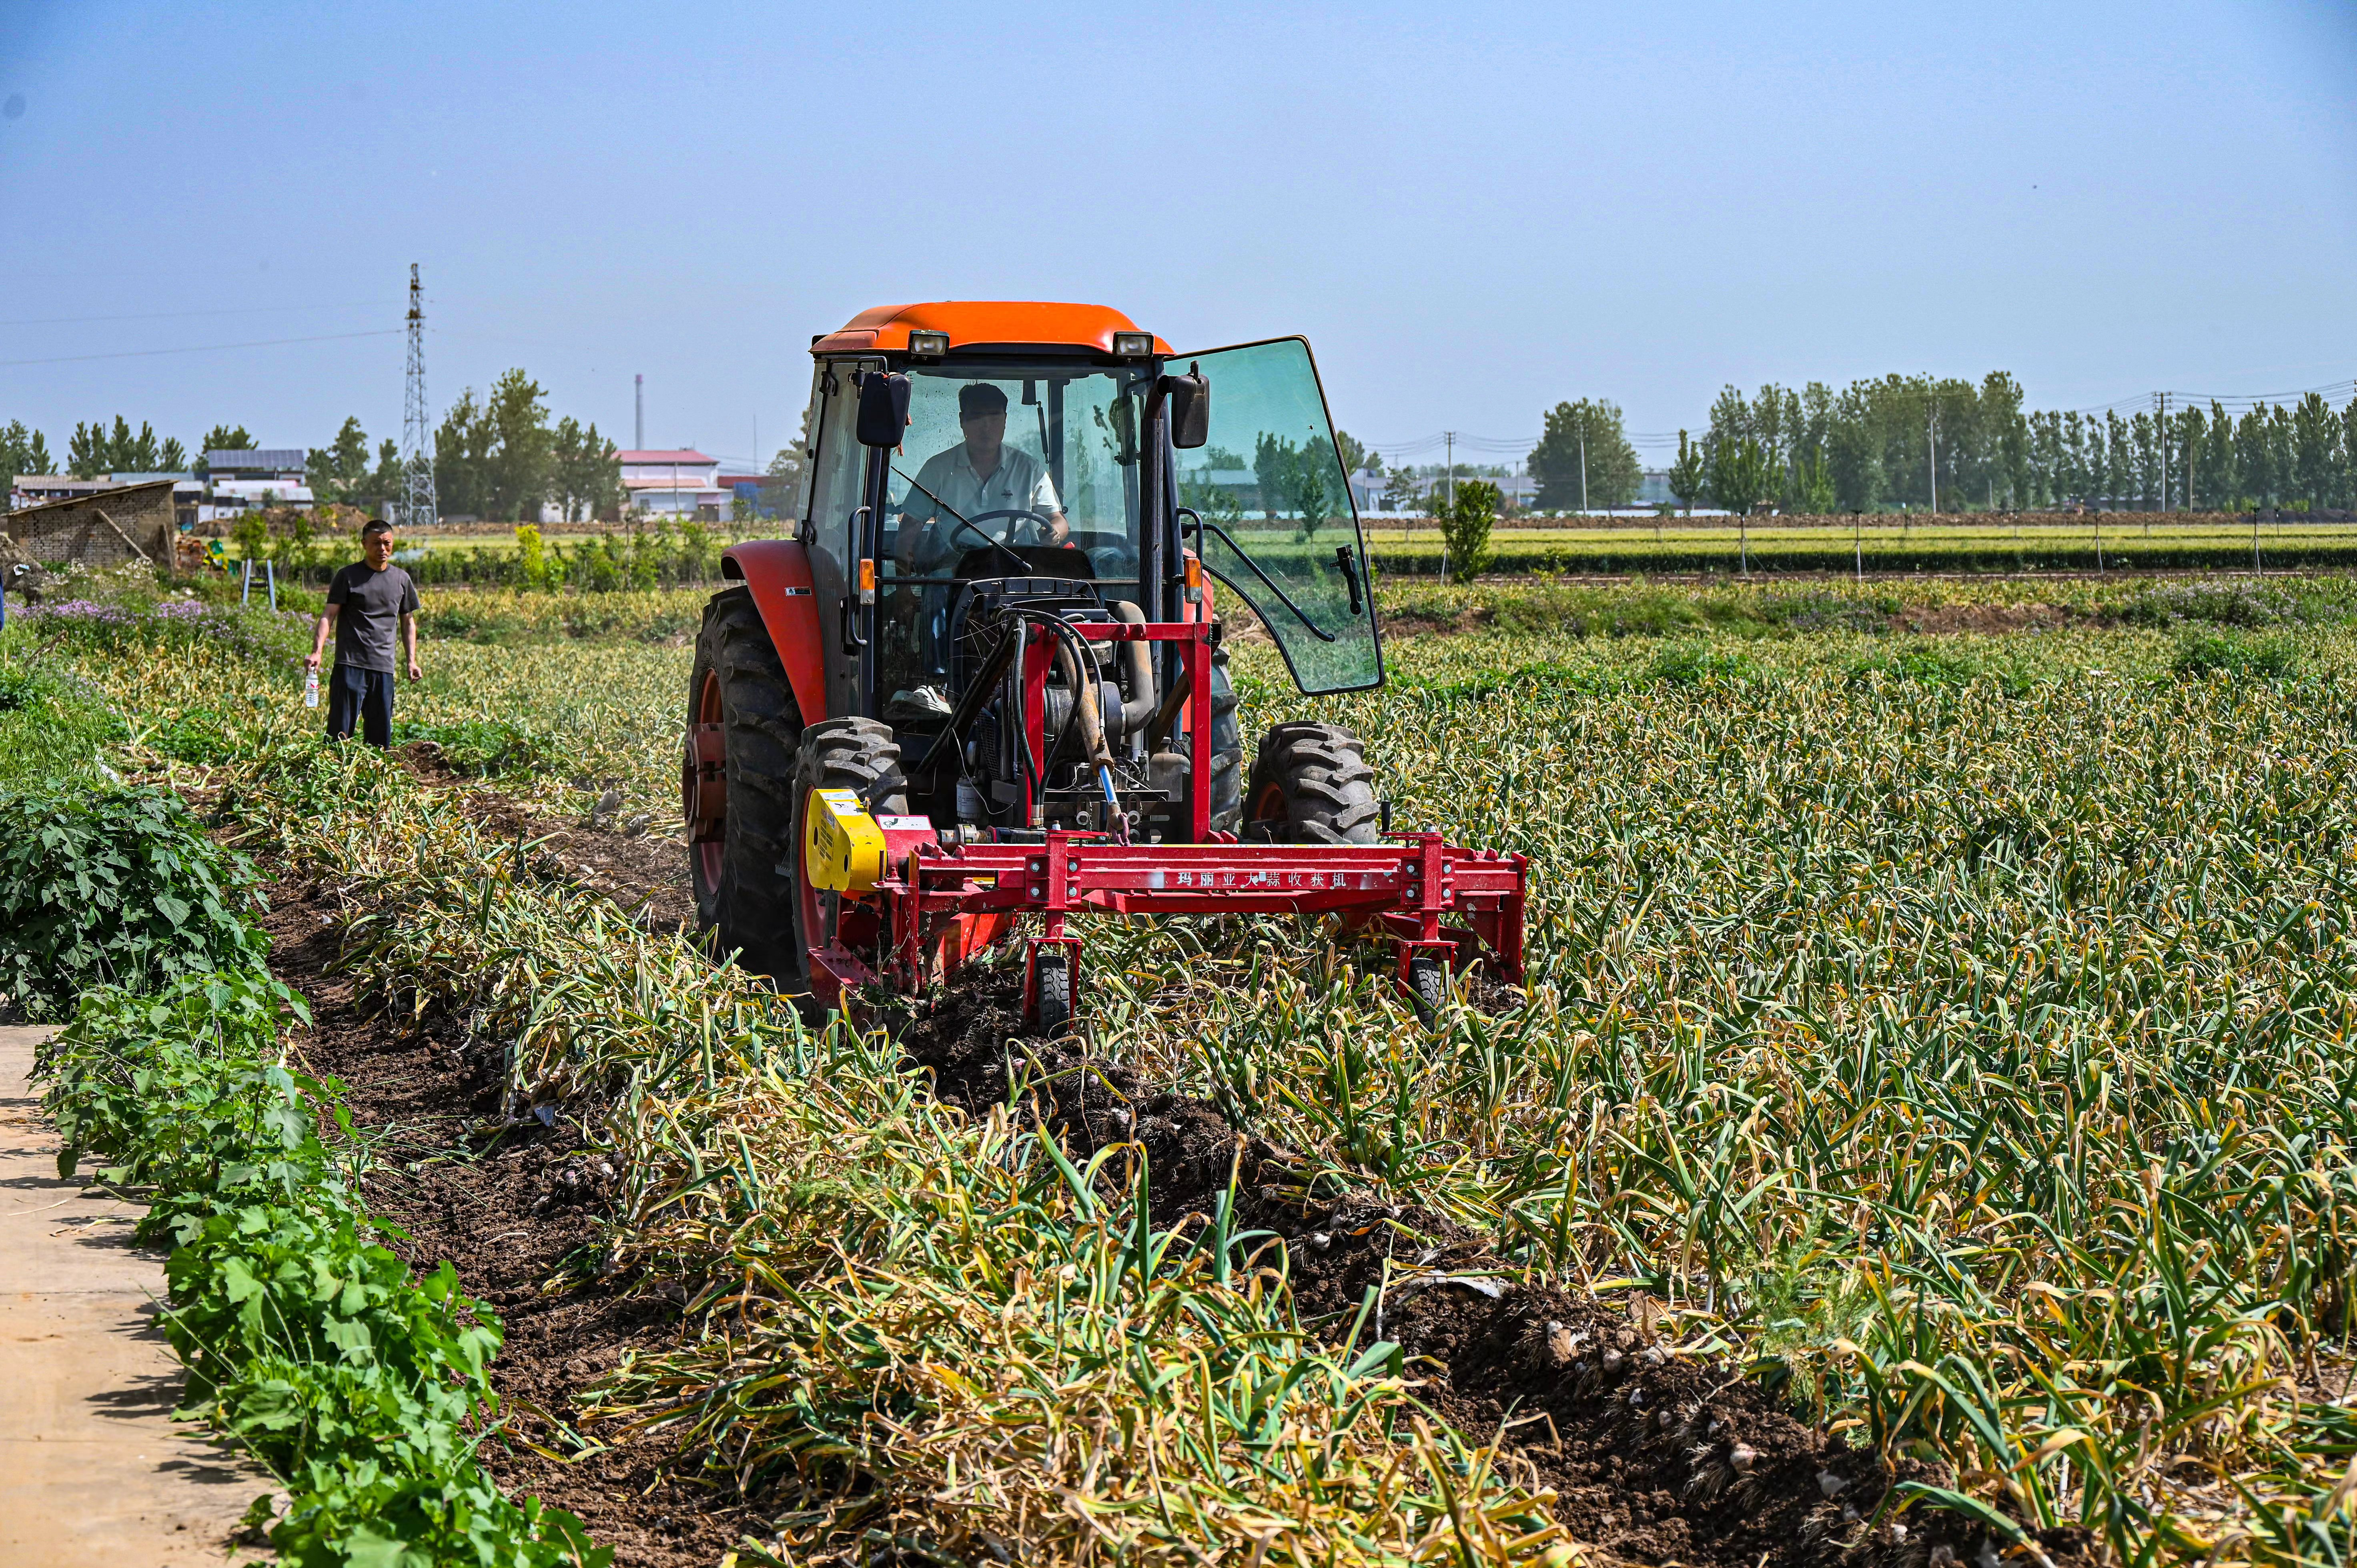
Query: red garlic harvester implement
(984, 680)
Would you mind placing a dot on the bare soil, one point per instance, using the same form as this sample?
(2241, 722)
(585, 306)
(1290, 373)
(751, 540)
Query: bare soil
(1989, 619)
(519, 1211)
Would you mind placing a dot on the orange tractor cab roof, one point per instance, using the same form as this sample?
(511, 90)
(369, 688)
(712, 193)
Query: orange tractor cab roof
(976, 323)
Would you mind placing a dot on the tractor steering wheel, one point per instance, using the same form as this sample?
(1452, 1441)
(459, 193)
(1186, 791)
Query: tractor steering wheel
(1046, 522)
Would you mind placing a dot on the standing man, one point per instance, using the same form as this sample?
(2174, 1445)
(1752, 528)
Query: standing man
(365, 603)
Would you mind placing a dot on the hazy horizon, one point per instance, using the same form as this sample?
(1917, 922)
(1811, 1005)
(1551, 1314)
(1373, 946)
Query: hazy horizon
(1471, 217)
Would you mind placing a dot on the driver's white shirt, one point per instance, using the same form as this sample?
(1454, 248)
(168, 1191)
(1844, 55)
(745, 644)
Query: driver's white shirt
(1020, 482)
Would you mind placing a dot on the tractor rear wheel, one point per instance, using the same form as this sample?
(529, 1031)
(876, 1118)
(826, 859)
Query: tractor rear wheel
(741, 711)
(1227, 748)
(852, 754)
(1227, 766)
(1311, 784)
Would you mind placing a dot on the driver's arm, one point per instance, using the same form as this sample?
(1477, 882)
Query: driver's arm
(904, 547)
(1047, 504)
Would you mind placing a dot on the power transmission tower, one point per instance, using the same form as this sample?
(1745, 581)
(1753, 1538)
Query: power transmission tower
(418, 509)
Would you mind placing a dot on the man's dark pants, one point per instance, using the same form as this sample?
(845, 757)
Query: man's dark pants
(362, 696)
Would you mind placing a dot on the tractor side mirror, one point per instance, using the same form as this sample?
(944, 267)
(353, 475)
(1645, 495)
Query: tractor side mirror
(882, 409)
(1191, 407)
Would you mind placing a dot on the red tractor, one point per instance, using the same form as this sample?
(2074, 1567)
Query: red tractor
(984, 680)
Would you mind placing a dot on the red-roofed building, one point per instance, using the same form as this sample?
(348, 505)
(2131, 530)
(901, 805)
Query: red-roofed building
(683, 483)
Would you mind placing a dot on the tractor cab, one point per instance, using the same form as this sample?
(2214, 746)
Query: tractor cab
(1057, 465)
(998, 631)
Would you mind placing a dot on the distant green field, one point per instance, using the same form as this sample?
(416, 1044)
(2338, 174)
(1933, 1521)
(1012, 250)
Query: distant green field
(2126, 541)
(2114, 542)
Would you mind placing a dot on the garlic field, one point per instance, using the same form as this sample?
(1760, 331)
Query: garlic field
(1946, 1038)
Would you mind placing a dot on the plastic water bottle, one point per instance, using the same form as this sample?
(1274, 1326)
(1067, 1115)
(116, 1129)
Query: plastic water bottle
(311, 689)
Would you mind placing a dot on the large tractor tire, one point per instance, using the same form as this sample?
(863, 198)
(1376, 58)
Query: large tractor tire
(1227, 748)
(743, 897)
(856, 754)
(1311, 784)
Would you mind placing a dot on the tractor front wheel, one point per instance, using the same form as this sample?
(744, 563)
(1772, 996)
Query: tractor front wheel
(736, 788)
(1311, 784)
(856, 754)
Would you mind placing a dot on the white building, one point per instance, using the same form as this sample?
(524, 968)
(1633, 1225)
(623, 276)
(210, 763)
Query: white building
(674, 484)
(241, 479)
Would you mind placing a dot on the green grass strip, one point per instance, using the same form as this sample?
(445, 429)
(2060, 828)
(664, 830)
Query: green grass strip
(363, 1389)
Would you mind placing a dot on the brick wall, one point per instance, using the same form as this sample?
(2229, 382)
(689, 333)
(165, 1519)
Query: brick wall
(101, 530)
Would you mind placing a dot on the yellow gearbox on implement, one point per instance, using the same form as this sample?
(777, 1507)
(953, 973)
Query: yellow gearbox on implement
(843, 847)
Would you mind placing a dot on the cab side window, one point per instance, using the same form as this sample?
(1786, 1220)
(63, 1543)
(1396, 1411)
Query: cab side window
(839, 463)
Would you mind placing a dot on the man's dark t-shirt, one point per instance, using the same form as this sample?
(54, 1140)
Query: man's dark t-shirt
(372, 604)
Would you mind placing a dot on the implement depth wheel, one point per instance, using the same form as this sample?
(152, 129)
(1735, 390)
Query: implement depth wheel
(1051, 990)
(737, 788)
(1311, 784)
(1427, 980)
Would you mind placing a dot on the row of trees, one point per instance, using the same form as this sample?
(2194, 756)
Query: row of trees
(22, 451)
(1915, 441)
(98, 448)
(1904, 441)
(498, 456)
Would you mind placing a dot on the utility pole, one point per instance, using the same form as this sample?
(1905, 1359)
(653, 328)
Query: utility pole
(1451, 434)
(2161, 434)
(639, 424)
(1583, 467)
(418, 509)
(1931, 429)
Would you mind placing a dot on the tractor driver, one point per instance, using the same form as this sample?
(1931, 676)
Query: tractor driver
(981, 474)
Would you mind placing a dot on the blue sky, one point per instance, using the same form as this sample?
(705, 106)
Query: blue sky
(1471, 211)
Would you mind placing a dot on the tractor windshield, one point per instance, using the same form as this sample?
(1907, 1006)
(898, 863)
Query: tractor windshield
(1016, 454)
(1274, 518)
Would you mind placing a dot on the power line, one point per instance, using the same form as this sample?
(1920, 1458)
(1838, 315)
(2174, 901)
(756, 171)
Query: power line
(2237, 399)
(205, 347)
(177, 314)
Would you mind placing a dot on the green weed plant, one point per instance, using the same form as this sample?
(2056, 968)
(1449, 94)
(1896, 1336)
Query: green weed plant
(361, 1388)
(113, 886)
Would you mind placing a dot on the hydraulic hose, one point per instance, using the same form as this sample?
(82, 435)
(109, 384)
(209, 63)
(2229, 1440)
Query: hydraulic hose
(1139, 706)
(1073, 653)
(1083, 687)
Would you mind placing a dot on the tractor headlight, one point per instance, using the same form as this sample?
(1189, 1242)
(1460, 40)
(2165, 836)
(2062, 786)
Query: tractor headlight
(1133, 345)
(929, 345)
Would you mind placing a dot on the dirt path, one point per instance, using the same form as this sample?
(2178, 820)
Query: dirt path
(92, 1469)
